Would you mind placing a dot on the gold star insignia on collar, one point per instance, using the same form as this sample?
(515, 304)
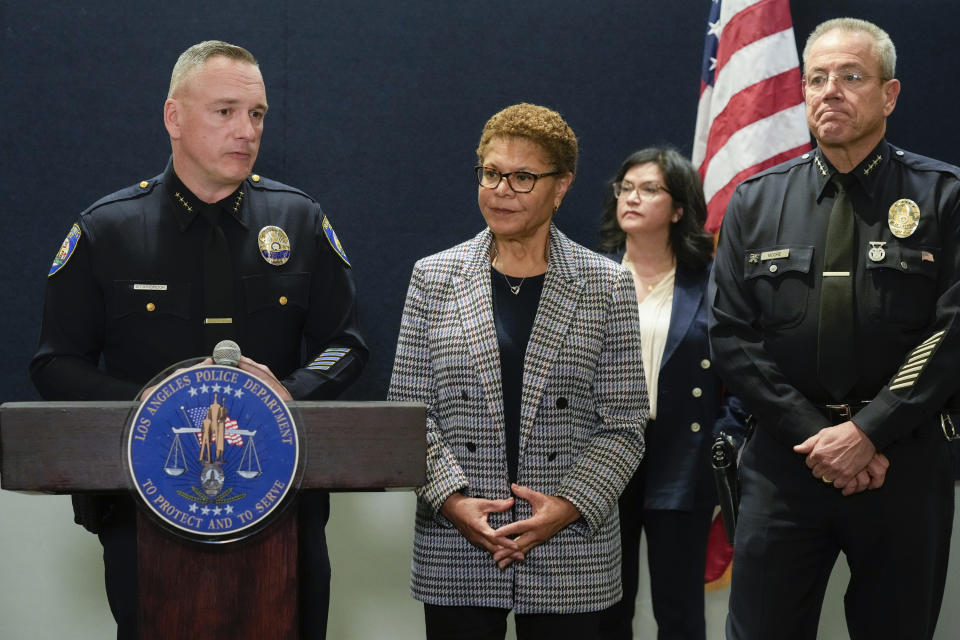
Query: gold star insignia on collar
(873, 165)
(183, 202)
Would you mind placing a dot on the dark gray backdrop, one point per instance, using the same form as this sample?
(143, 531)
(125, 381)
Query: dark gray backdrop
(375, 110)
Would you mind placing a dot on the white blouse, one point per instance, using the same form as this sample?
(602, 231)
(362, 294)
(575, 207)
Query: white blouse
(654, 326)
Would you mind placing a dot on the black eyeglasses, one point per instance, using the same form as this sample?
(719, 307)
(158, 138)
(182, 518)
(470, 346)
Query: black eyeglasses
(519, 181)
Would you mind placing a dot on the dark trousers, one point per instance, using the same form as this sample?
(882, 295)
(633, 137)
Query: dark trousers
(793, 526)
(676, 555)
(489, 623)
(118, 534)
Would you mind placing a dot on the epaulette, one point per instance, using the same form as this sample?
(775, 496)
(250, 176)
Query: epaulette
(260, 183)
(132, 192)
(783, 167)
(923, 163)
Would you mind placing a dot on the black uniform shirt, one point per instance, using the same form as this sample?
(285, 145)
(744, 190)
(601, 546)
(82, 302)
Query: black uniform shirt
(131, 293)
(765, 293)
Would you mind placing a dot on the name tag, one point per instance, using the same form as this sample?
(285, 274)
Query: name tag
(149, 287)
(773, 255)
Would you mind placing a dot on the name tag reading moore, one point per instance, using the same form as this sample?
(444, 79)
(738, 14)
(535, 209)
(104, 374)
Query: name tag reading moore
(774, 255)
(213, 454)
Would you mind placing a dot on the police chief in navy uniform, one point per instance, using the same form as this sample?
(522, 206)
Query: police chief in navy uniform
(849, 452)
(161, 271)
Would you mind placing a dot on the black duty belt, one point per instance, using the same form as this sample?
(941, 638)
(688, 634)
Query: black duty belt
(839, 413)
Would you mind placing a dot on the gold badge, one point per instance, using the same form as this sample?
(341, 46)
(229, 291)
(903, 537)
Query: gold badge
(274, 245)
(903, 218)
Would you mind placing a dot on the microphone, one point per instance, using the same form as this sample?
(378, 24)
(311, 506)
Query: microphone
(227, 353)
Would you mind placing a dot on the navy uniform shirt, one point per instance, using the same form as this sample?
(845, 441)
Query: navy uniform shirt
(131, 293)
(765, 293)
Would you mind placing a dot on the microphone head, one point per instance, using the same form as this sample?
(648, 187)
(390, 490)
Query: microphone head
(227, 353)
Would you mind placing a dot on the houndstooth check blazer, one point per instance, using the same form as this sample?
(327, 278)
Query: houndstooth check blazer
(584, 406)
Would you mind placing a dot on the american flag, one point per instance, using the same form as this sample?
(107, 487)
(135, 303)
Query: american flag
(230, 434)
(751, 114)
(231, 427)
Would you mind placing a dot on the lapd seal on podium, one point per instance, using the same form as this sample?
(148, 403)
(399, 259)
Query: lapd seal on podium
(213, 454)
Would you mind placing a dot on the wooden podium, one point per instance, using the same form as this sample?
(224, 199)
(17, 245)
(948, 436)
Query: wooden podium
(245, 589)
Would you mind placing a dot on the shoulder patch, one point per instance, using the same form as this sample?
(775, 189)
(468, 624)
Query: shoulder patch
(334, 240)
(66, 249)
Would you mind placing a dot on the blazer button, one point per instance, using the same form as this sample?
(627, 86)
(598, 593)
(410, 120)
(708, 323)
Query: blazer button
(552, 456)
(704, 364)
(464, 396)
(697, 392)
(471, 447)
(561, 403)
(695, 427)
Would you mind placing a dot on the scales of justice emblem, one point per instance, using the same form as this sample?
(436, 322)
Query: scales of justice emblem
(213, 453)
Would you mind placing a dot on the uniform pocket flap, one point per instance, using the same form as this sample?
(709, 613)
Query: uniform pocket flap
(137, 296)
(277, 290)
(773, 262)
(907, 260)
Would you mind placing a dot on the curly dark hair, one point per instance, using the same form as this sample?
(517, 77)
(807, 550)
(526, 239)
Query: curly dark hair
(691, 244)
(541, 125)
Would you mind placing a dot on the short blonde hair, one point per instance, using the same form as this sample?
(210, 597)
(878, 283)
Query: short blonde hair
(198, 54)
(538, 124)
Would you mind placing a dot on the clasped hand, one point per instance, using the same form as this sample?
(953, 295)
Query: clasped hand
(512, 541)
(844, 456)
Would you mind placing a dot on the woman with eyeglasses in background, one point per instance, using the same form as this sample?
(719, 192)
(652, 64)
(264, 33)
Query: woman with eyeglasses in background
(653, 225)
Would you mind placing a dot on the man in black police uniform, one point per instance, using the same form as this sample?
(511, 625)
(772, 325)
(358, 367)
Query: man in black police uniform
(835, 317)
(161, 271)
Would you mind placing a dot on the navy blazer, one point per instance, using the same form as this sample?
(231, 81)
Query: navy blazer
(691, 404)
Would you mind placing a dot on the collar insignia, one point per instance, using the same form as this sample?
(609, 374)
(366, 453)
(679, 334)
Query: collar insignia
(820, 166)
(183, 202)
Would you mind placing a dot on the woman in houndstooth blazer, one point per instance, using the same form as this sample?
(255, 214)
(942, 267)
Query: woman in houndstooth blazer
(524, 346)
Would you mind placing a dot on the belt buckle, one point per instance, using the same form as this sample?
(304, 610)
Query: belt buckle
(841, 411)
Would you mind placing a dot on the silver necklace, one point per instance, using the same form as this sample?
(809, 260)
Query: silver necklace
(514, 289)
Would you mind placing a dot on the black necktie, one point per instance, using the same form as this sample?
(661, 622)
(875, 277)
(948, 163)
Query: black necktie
(217, 282)
(836, 362)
